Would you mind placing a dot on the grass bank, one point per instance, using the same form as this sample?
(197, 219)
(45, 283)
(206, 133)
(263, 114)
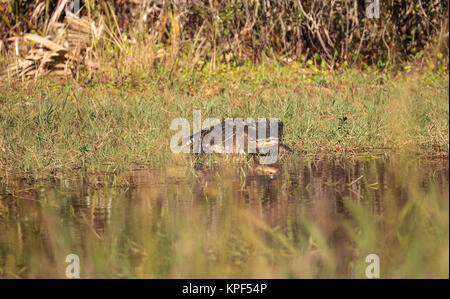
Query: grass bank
(97, 124)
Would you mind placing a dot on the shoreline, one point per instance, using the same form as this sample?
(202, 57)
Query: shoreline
(61, 124)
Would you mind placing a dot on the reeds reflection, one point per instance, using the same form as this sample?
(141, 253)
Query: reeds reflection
(300, 219)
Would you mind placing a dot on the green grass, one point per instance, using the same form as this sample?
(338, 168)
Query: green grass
(398, 210)
(105, 124)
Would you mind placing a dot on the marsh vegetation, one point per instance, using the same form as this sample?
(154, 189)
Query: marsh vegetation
(86, 168)
(316, 219)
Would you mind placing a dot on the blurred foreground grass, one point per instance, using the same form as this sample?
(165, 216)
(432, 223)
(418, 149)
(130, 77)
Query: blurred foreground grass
(315, 220)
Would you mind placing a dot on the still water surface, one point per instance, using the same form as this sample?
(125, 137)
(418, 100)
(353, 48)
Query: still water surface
(317, 218)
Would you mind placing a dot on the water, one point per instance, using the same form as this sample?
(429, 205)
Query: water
(302, 218)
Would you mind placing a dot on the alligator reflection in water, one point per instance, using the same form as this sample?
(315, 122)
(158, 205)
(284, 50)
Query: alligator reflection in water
(45, 212)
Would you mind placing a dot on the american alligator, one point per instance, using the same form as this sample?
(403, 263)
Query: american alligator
(239, 137)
